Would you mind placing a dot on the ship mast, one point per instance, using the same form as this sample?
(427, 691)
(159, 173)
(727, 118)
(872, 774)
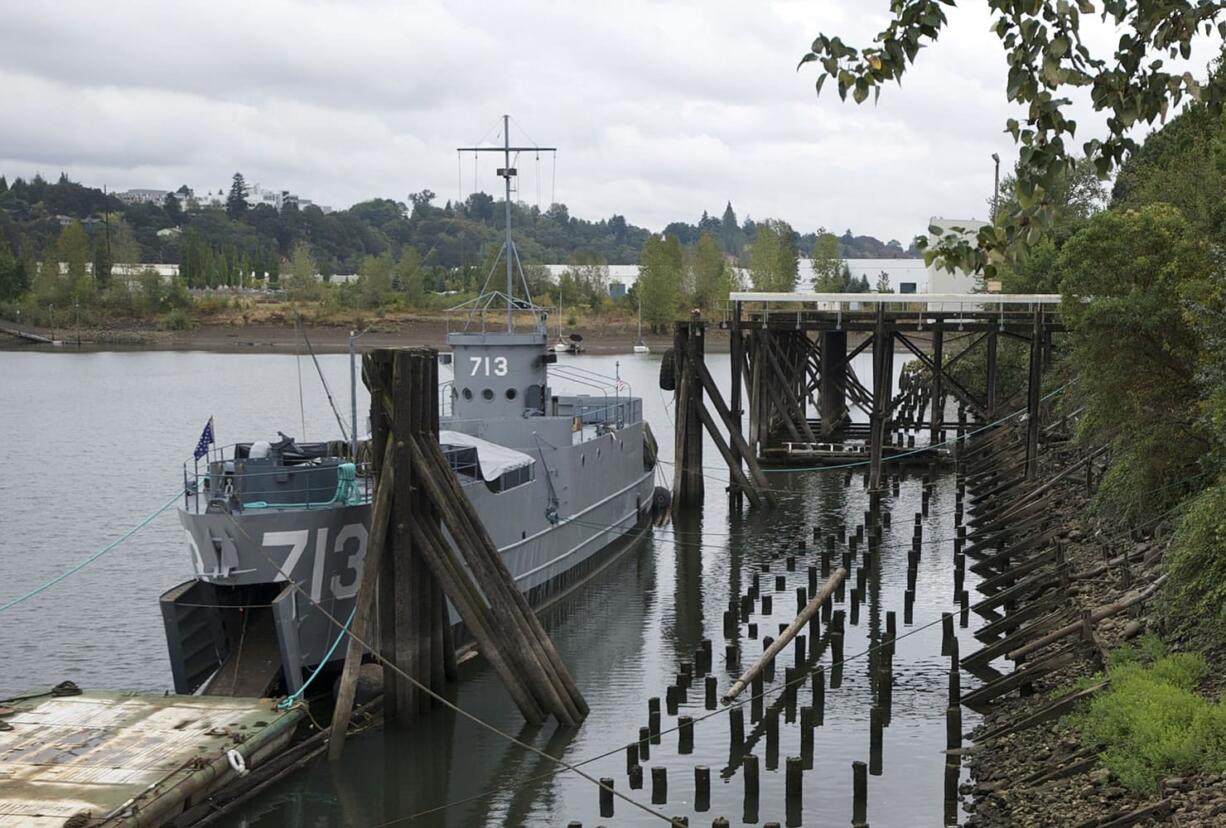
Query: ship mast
(507, 172)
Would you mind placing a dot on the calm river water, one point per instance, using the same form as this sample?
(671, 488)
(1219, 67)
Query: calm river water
(96, 441)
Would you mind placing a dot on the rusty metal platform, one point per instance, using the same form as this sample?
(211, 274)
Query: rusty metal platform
(126, 759)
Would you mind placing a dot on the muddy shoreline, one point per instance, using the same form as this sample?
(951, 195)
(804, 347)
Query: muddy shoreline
(271, 338)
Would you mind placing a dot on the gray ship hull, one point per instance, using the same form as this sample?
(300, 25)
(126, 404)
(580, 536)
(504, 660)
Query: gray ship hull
(244, 565)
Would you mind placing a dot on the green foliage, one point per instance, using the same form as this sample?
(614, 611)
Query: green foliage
(827, 264)
(302, 282)
(661, 268)
(375, 280)
(1126, 280)
(711, 275)
(236, 201)
(409, 278)
(1150, 722)
(13, 278)
(1195, 595)
(1047, 58)
(773, 259)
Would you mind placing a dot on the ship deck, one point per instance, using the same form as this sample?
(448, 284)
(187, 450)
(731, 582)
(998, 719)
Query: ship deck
(126, 759)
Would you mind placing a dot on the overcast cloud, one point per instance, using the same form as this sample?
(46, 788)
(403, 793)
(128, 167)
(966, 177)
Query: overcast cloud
(660, 109)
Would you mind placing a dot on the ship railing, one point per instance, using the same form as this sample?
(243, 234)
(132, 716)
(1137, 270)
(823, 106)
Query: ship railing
(616, 409)
(218, 481)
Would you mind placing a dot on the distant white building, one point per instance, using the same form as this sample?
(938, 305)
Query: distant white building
(941, 280)
(904, 275)
(143, 196)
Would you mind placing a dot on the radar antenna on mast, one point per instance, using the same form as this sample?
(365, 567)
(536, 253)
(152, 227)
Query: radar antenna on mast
(507, 252)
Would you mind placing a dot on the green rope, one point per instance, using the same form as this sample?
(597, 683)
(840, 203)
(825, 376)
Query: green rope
(86, 562)
(292, 699)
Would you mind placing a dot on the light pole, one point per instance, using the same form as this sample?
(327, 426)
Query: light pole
(995, 186)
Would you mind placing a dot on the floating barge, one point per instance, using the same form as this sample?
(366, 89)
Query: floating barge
(128, 759)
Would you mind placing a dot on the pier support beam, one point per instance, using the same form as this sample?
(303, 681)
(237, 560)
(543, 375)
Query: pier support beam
(832, 392)
(990, 391)
(883, 381)
(1034, 386)
(937, 420)
(688, 350)
(736, 341)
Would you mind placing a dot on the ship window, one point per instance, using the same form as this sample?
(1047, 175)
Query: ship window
(512, 393)
(488, 394)
(512, 478)
(468, 393)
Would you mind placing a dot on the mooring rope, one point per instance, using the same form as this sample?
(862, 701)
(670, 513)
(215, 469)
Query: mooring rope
(374, 651)
(77, 567)
(290, 700)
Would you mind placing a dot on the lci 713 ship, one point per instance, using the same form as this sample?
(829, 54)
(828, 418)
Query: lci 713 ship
(562, 484)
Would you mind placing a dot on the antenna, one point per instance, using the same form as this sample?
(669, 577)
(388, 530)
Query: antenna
(507, 172)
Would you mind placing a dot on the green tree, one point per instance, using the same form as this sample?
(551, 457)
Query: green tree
(302, 283)
(1047, 58)
(659, 284)
(827, 263)
(883, 283)
(1127, 280)
(102, 262)
(375, 279)
(711, 275)
(173, 208)
(75, 251)
(13, 280)
(236, 201)
(409, 277)
(773, 260)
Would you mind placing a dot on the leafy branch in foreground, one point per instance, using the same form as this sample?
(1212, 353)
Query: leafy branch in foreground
(1046, 57)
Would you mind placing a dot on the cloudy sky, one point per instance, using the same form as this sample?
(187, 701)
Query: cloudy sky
(660, 109)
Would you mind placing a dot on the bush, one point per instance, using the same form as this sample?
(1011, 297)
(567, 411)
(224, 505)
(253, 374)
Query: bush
(1196, 592)
(176, 320)
(1151, 723)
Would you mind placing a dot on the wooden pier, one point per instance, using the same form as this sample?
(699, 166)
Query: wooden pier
(792, 357)
(128, 759)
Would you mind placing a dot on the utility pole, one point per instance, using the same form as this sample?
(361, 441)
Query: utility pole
(507, 172)
(995, 186)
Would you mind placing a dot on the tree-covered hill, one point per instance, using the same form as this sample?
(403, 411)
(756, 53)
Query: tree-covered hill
(259, 239)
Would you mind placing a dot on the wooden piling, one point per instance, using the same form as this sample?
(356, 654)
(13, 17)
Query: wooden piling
(787, 635)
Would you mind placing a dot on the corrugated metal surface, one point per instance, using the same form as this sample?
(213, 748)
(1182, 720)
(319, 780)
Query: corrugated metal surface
(92, 753)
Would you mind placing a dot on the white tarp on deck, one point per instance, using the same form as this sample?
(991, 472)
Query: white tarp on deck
(494, 459)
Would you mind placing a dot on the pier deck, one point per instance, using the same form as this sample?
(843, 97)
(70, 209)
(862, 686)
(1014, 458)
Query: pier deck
(126, 759)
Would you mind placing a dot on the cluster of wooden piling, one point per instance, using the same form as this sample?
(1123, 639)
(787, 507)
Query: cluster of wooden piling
(841, 567)
(416, 569)
(693, 387)
(1019, 550)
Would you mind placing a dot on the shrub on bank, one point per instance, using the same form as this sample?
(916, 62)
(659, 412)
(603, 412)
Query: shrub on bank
(1150, 723)
(1195, 595)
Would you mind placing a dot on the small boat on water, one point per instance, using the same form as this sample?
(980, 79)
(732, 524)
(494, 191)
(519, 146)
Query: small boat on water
(563, 484)
(640, 347)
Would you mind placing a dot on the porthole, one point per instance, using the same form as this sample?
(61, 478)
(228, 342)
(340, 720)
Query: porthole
(512, 393)
(468, 393)
(488, 394)
(582, 460)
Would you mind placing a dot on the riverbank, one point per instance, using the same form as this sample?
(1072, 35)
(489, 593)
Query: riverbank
(1029, 768)
(236, 336)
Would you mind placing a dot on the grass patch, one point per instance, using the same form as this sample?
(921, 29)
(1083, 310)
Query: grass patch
(1150, 721)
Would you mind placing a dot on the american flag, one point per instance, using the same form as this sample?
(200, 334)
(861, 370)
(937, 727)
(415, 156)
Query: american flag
(206, 440)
